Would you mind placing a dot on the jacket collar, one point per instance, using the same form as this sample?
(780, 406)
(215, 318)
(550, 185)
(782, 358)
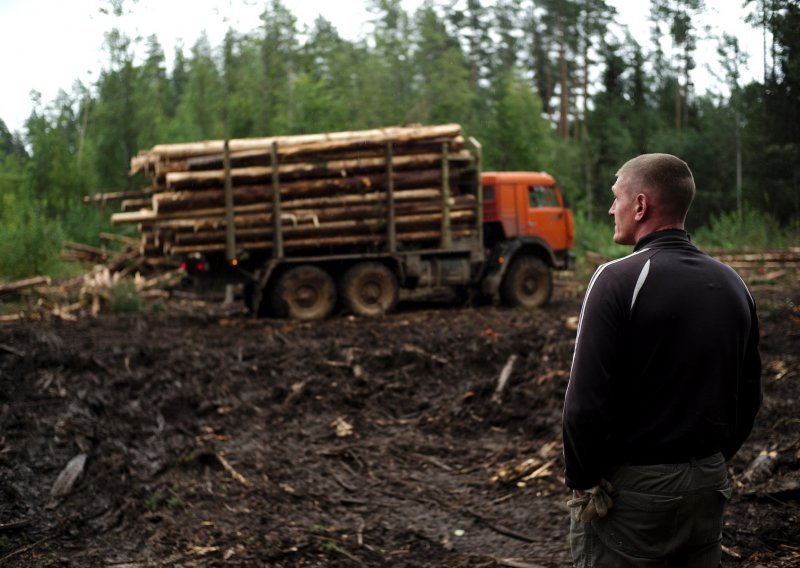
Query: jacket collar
(672, 234)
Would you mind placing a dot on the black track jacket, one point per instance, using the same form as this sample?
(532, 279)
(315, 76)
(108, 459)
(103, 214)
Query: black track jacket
(666, 364)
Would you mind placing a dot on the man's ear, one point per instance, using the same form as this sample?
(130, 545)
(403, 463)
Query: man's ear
(640, 206)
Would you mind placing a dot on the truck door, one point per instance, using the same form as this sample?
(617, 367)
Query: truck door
(545, 216)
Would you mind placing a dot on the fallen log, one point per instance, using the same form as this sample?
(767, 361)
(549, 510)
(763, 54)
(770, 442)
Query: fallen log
(85, 248)
(18, 285)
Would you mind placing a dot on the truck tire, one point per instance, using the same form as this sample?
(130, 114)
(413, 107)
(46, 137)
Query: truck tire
(528, 283)
(369, 289)
(304, 292)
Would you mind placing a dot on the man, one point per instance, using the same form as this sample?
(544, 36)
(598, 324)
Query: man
(664, 388)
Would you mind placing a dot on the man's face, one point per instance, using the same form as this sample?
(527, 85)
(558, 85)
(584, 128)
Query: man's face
(624, 213)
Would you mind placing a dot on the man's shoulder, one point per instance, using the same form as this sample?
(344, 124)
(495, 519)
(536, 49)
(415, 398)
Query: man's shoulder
(631, 263)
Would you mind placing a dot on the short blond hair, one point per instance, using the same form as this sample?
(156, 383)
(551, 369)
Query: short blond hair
(668, 178)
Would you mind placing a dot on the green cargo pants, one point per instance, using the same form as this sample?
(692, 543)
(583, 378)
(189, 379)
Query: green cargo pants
(663, 516)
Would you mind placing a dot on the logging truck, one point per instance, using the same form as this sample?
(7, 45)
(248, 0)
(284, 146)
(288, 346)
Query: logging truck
(310, 223)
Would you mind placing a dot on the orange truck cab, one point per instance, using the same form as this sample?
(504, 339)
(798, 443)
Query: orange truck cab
(529, 230)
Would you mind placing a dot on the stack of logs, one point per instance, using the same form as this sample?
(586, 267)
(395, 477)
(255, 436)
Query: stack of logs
(336, 190)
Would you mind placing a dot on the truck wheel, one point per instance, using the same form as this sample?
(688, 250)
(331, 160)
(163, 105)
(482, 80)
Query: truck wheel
(528, 283)
(304, 292)
(369, 289)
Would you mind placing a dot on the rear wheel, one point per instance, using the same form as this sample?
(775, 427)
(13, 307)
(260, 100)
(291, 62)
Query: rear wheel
(304, 292)
(369, 289)
(528, 283)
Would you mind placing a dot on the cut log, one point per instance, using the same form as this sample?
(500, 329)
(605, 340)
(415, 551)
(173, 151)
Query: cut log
(148, 216)
(345, 150)
(124, 239)
(293, 216)
(135, 204)
(311, 142)
(18, 285)
(115, 196)
(336, 190)
(133, 217)
(87, 249)
(177, 180)
(340, 227)
(432, 236)
(193, 197)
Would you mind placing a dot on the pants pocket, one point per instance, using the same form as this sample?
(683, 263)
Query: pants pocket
(640, 524)
(705, 516)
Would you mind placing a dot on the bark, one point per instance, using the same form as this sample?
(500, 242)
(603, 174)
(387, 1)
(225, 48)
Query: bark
(296, 244)
(244, 194)
(294, 214)
(335, 190)
(125, 240)
(116, 196)
(145, 161)
(345, 227)
(353, 150)
(178, 180)
(23, 284)
(135, 204)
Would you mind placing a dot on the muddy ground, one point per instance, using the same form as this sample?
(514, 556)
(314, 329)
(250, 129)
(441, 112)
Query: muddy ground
(211, 438)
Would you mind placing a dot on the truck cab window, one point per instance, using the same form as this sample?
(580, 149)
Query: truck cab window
(541, 196)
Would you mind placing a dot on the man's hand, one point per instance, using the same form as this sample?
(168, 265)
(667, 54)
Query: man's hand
(592, 503)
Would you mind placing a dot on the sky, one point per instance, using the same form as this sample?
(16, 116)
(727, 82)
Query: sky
(46, 45)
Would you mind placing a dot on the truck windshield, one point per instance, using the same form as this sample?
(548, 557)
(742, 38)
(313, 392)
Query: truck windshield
(542, 196)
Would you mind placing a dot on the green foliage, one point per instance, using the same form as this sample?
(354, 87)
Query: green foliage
(125, 297)
(499, 69)
(754, 230)
(516, 136)
(29, 240)
(597, 236)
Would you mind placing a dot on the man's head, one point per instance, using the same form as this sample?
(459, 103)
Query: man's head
(653, 192)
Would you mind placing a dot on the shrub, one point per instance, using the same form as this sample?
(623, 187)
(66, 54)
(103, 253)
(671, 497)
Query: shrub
(125, 298)
(755, 230)
(29, 245)
(597, 236)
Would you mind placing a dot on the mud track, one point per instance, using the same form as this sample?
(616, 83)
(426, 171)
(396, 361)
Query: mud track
(214, 439)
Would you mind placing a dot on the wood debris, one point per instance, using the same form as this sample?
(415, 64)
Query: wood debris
(68, 477)
(19, 285)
